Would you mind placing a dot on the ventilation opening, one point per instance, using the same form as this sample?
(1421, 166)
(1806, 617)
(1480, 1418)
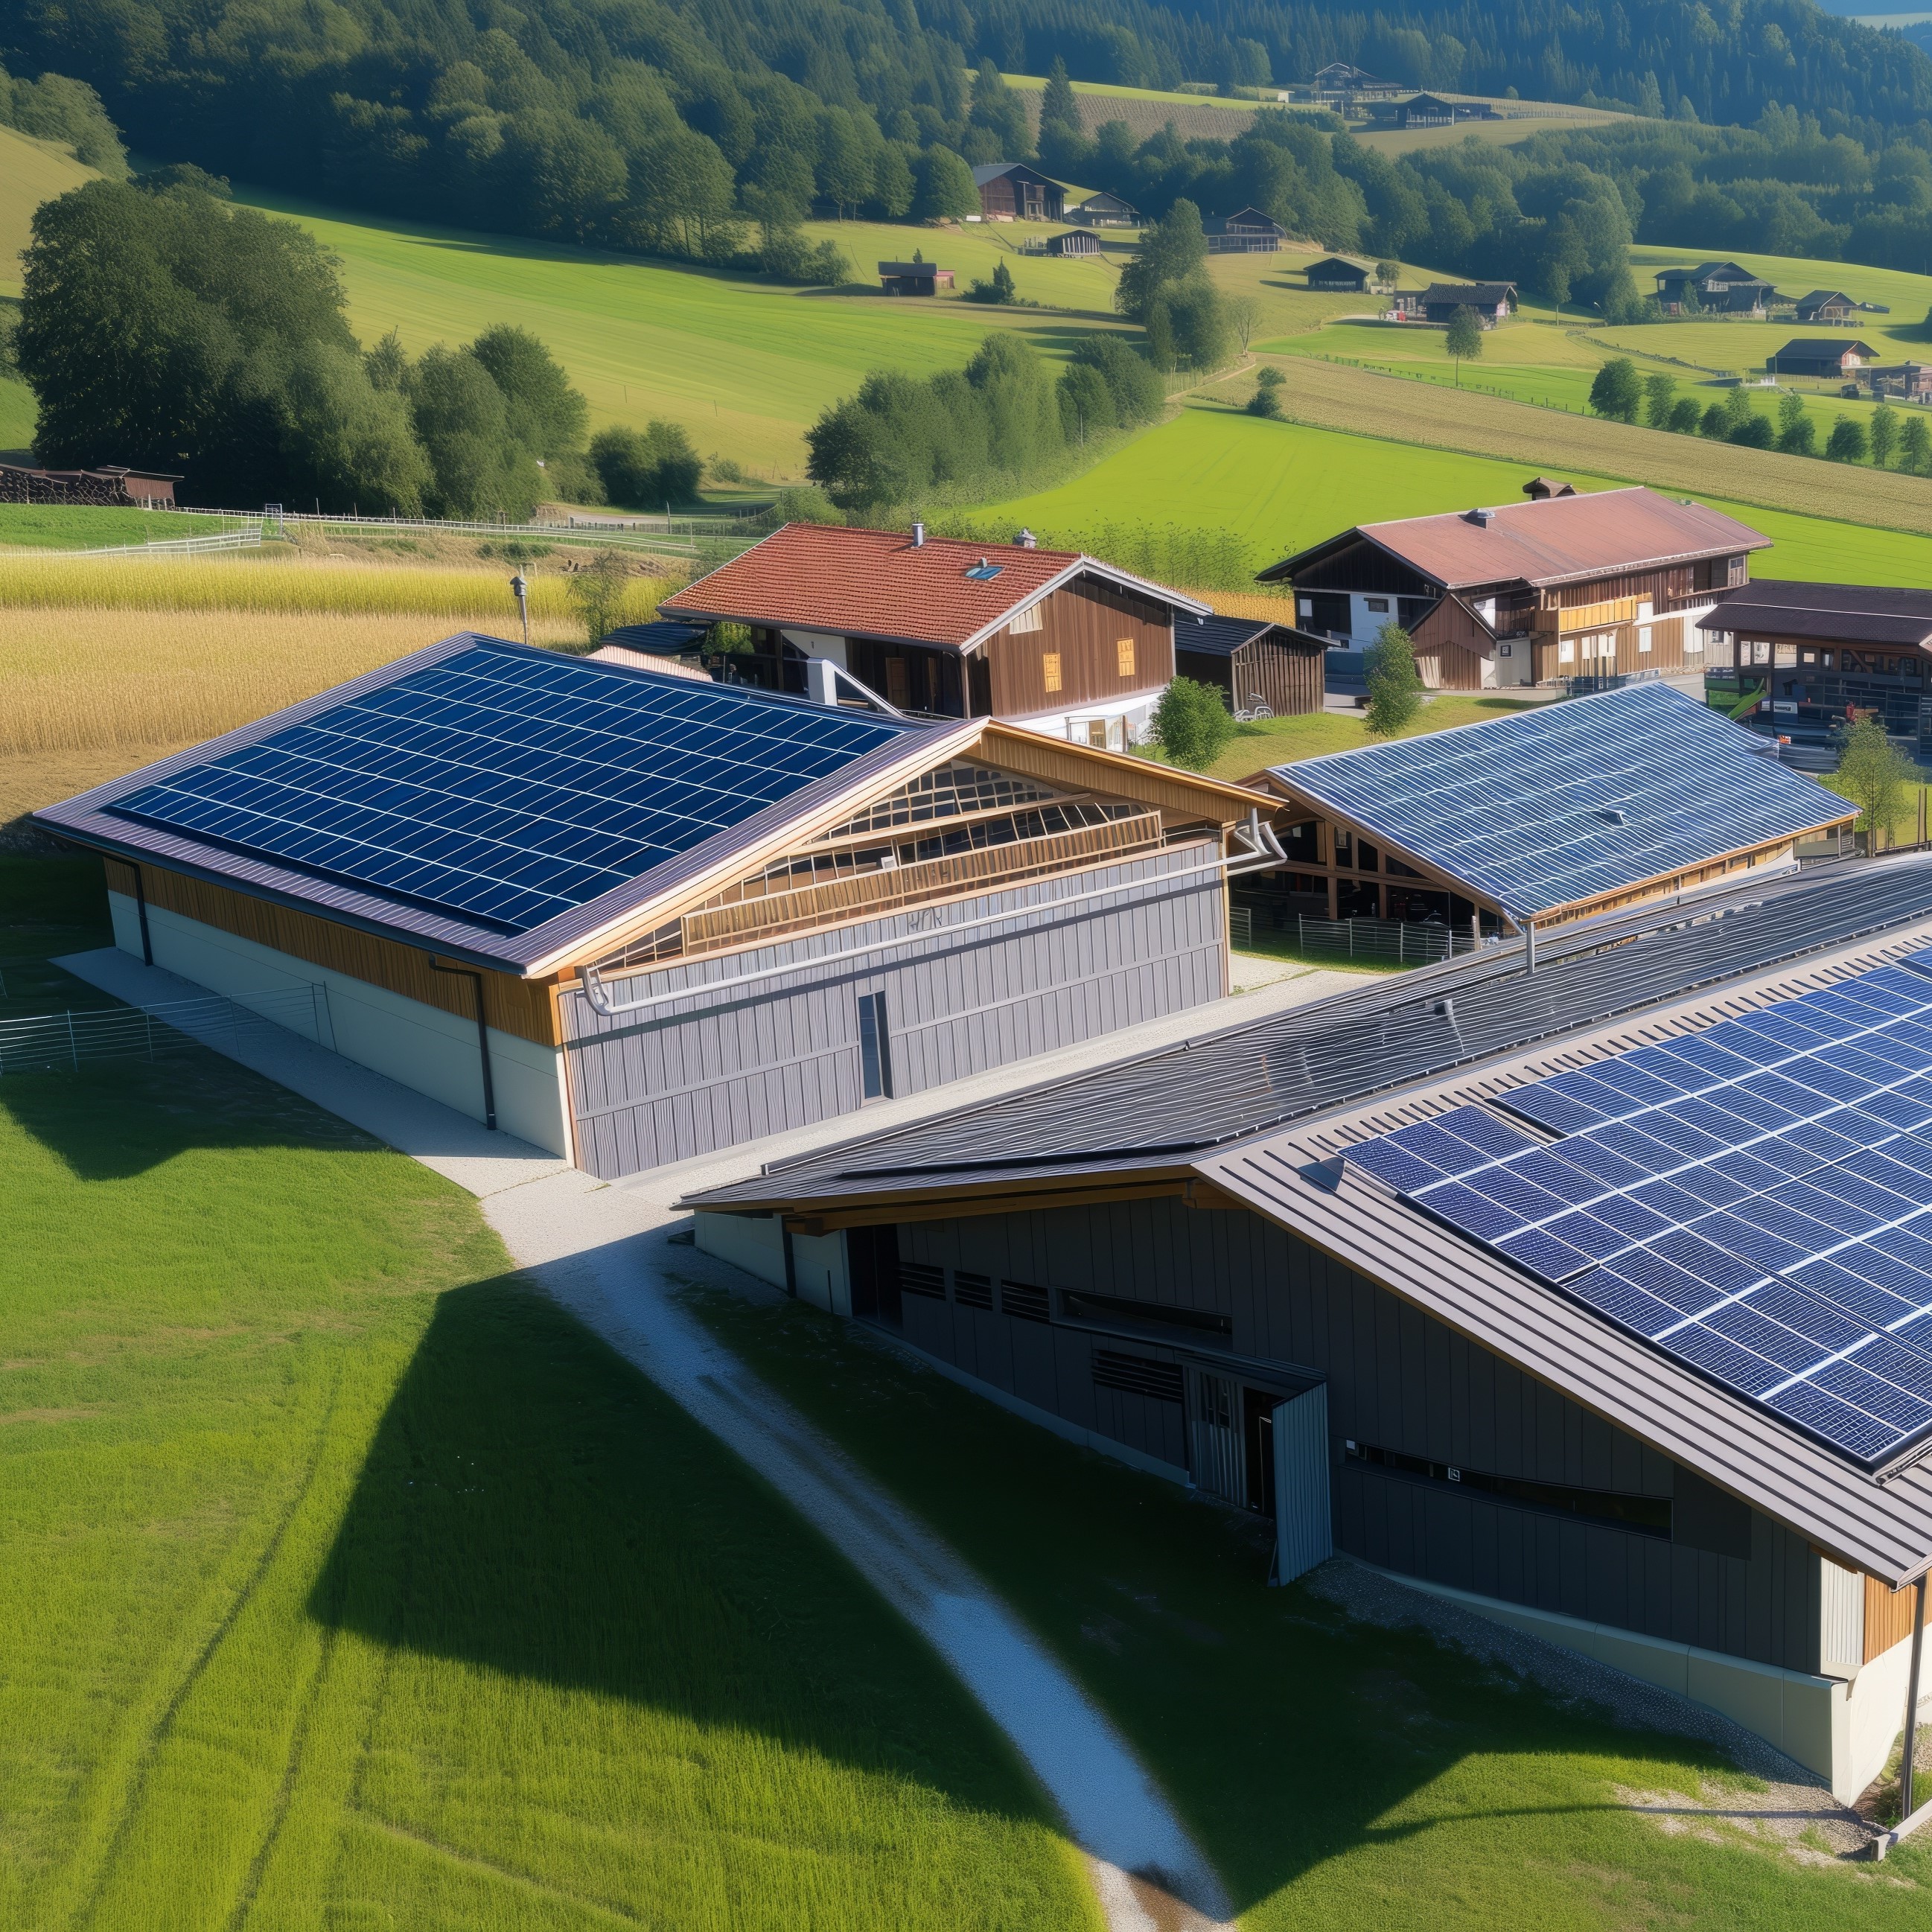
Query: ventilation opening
(1137, 1375)
(972, 1291)
(1028, 1303)
(922, 1278)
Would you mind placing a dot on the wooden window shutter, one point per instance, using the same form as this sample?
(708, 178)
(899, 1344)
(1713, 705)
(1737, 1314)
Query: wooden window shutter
(1124, 650)
(1050, 666)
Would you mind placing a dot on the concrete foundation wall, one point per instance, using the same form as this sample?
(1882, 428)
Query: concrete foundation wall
(421, 1046)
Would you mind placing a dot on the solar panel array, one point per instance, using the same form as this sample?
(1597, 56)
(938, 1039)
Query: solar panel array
(507, 786)
(1566, 802)
(1755, 1200)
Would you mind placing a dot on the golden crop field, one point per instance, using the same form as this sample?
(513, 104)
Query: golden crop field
(1333, 395)
(258, 585)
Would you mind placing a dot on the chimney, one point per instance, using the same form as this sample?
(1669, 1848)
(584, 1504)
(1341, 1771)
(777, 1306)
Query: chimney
(1026, 540)
(918, 534)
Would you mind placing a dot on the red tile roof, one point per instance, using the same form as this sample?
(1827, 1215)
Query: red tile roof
(880, 583)
(1552, 541)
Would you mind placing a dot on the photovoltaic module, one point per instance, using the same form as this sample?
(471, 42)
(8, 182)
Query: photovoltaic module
(1755, 1200)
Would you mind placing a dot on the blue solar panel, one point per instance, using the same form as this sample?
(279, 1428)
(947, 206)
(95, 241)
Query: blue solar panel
(507, 785)
(1514, 805)
(1765, 1218)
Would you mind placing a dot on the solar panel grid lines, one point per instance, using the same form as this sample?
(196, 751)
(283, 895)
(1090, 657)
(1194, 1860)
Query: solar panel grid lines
(505, 786)
(1805, 1281)
(1515, 805)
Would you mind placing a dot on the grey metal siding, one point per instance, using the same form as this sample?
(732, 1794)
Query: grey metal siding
(1400, 1379)
(691, 1076)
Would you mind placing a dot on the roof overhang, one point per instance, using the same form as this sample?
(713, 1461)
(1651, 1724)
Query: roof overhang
(1080, 566)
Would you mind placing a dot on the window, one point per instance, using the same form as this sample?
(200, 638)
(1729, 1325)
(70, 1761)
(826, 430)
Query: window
(875, 1060)
(1377, 604)
(1643, 639)
(1502, 650)
(1645, 1516)
(1079, 1305)
(1123, 653)
(1031, 618)
(1566, 650)
(1049, 666)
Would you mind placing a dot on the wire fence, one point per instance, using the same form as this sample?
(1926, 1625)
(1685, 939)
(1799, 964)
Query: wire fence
(250, 538)
(1383, 941)
(66, 1042)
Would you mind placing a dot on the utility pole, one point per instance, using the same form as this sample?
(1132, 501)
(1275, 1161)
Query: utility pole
(519, 590)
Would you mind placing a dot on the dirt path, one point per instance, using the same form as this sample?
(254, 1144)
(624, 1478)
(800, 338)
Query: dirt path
(602, 1253)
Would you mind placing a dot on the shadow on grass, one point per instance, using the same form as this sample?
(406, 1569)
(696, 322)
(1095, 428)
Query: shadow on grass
(531, 1504)
(1289, 1735)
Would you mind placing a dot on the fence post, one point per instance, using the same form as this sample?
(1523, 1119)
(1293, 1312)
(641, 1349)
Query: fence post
(150, 1018)
(1401, 933)
(73, 1046)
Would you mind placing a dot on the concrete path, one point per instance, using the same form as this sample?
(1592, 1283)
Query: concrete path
(602, 1251)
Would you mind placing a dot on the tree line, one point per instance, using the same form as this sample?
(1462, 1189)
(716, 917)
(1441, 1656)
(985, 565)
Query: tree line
(163, 328)
(709, 132)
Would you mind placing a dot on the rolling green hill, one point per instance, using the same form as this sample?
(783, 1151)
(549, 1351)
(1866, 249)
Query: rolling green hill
(1280, 486)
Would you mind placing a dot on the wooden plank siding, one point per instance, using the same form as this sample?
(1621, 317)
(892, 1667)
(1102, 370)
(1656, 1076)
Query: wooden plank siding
(1452, 643)
(1730, 1580)
(1888, 1617)
(1289, 678)
(1083, 625)
(522, 1007)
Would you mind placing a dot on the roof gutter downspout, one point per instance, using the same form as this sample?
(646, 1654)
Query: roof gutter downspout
(1909, 1818)
(1265, 852)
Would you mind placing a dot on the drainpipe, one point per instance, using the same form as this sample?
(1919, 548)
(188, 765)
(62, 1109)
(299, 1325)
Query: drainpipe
(1905, 1805)
(1529, 946)
(482, 1037)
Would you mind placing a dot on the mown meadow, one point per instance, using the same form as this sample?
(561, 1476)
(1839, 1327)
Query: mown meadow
(350, 1583)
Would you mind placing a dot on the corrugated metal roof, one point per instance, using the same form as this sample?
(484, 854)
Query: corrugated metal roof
(1859, 613)
(1432, 1041)
(1553, 542)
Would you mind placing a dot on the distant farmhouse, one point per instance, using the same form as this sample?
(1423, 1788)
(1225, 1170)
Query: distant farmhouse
(107, 487)
(1247, 231)
(1491, 301)
(1611, 584)
(1429, 110)
(1011, 191)
(913, 278)
(1911, 381)
(1831, 307)
(1724, 288)
(1829, 356)
(1104, 211)
(1338, 275)
(1339, 82)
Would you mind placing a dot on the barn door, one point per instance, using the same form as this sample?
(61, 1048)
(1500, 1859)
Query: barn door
(1214, 1416)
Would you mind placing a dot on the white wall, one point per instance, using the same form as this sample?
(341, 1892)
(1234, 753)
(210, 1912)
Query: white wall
(419, 1045)
(756, 1243)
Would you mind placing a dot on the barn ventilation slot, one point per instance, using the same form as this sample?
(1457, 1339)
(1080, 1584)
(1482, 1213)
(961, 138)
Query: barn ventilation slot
(1137, 1375)
(1028, 1304)
(922, 1278)
(972, 1291)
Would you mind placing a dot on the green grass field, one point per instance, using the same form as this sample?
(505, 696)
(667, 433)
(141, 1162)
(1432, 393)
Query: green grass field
(349, 1584)
(1341, 1776)
(1280, 486)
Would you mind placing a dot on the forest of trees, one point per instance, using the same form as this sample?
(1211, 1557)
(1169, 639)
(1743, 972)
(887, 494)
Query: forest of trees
(709, 131)
(160, 328)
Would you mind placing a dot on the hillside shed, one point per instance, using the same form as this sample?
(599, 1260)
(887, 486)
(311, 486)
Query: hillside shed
(1829, 356)
(1247, 231)
(631, 918)
(1558, 813)
(1104, 211)
(1336, 274)
(1592, 1299)
(1829, 307)
(913, 278)
(1254, 662)
(1011, 191)
(111, 485)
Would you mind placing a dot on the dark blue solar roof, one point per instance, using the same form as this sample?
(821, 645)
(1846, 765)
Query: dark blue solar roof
(1568, 801)
(1755, 1200)
(506, 785)
(1217, 636)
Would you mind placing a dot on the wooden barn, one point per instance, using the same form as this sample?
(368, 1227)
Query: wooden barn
(1831, 358)
(1254, 663)
(1011, 191)
(1336, 275)
(1072, 242)
(110, 486)
(913, 278)
(1104, 211)
(1247, 231)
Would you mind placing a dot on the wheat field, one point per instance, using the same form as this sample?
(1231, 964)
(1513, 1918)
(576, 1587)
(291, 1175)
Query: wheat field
(84, 696)
(251, 585)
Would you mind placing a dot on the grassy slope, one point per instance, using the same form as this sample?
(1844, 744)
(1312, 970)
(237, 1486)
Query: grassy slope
(1341, 1776)
(1280, 486)
(744, 365)
(349, 1583)
(30, 171)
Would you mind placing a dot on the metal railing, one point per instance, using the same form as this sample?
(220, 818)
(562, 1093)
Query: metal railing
(65, 1041)
(246, 539)
(1403, 942)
